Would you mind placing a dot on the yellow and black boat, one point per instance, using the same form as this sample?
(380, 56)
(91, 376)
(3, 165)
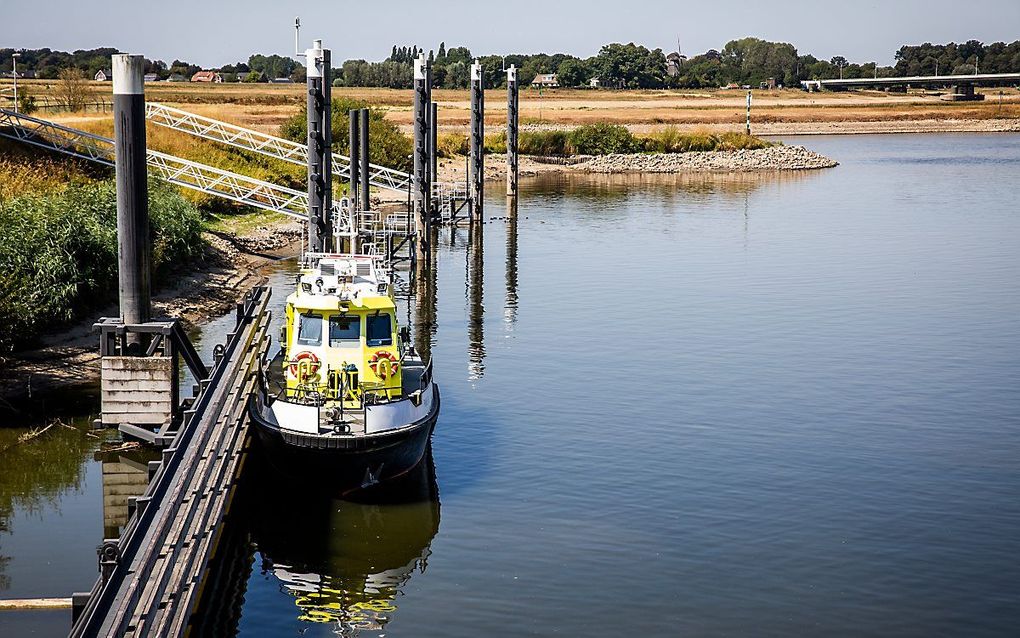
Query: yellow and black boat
(347, 398)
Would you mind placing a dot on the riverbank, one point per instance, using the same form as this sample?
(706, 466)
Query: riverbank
(774, 158)
(229, 266)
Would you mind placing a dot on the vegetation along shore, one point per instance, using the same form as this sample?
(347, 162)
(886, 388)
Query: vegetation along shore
(651, 113)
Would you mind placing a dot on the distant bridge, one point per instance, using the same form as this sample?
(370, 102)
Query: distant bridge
(964, 83)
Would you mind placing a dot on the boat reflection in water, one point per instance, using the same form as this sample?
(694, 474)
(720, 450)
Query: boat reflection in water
(344, 562)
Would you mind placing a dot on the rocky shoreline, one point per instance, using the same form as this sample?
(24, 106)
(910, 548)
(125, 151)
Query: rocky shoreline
(773, 158)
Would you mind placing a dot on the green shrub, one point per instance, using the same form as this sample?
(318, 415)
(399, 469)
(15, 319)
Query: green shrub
(58, 251)
(496, 144)
(602, 139)
(387, 145)
(672, 140)
(543, 143)
(451, 144)
(740, 141)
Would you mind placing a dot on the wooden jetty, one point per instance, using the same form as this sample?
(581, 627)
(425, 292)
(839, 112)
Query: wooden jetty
(153, 574)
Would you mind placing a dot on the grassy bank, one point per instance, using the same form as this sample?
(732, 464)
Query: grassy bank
(58, 249)
(606, 139)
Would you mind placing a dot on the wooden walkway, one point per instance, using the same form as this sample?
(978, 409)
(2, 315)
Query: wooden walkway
(152, 576)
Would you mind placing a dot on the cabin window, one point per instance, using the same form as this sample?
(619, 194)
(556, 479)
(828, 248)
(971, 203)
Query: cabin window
(379, 332)
(310, 330)
(344, 328)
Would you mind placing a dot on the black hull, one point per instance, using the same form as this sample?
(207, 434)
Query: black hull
(342, 465)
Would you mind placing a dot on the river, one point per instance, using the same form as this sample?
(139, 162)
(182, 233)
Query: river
(764, 405)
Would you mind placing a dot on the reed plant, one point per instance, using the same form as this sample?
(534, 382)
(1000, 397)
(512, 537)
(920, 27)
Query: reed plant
(58, 252)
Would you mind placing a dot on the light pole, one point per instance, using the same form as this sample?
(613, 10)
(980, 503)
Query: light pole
(14, 62)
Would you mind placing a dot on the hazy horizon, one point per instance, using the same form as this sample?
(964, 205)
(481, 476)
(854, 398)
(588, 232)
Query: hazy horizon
(230, 32)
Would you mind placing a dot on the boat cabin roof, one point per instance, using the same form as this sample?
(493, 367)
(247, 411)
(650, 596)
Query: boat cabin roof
(341, 282)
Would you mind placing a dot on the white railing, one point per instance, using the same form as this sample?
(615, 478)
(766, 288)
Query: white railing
(181, 172)
(276, 147)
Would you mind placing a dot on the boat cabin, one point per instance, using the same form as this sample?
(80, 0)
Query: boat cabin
(341, 337)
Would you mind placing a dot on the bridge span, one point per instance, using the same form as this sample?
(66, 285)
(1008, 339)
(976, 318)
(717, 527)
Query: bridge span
(963, 85)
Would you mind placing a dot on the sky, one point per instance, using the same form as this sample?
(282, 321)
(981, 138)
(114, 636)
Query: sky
(214, 33)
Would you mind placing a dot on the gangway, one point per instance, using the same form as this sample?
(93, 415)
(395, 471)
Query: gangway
(255, 141)
(181, 172)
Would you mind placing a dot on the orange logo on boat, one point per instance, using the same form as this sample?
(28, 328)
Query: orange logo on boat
(384, 364)
(304, 366)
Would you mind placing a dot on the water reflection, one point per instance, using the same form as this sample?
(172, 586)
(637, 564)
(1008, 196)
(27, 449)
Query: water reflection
(703, 186)
(510, 306)
(343, 563)
(476, 310)
(37, 470)
(425, 291)
(125, 475)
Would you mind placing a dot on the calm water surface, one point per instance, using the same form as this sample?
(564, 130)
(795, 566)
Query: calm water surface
(698, 406)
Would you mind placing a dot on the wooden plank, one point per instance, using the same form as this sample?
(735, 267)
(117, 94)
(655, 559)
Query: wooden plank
(26, 604)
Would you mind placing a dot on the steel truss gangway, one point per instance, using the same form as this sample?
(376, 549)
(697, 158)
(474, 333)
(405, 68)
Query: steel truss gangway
(275, 147)
(181, 172)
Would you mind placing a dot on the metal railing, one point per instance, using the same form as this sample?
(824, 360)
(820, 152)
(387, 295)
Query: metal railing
(276, 147)
(150, 576)
(181, 172)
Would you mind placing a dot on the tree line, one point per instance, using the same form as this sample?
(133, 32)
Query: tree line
(47, 64)
(745, 61)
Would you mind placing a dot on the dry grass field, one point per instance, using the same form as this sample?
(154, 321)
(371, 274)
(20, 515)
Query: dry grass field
(786, 112)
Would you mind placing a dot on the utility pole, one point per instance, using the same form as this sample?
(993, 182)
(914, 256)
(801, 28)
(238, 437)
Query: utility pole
(132, 188)
(512, 121)
(14, 61)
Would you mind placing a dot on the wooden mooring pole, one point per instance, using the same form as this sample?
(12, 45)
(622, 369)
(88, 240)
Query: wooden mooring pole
(132, 188)
(320, 162)
(512, 122)
(354, 148)
(421, 195)
(477, 139)
(366, 201)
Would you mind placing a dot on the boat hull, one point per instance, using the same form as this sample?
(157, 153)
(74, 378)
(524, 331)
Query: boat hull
(345, 464)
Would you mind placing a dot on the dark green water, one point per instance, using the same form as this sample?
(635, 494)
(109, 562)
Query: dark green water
(699, 406)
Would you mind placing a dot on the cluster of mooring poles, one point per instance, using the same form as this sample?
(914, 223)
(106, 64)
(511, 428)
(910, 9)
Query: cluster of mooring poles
(140, 363)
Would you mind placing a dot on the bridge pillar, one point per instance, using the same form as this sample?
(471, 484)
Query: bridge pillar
(962, 93)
